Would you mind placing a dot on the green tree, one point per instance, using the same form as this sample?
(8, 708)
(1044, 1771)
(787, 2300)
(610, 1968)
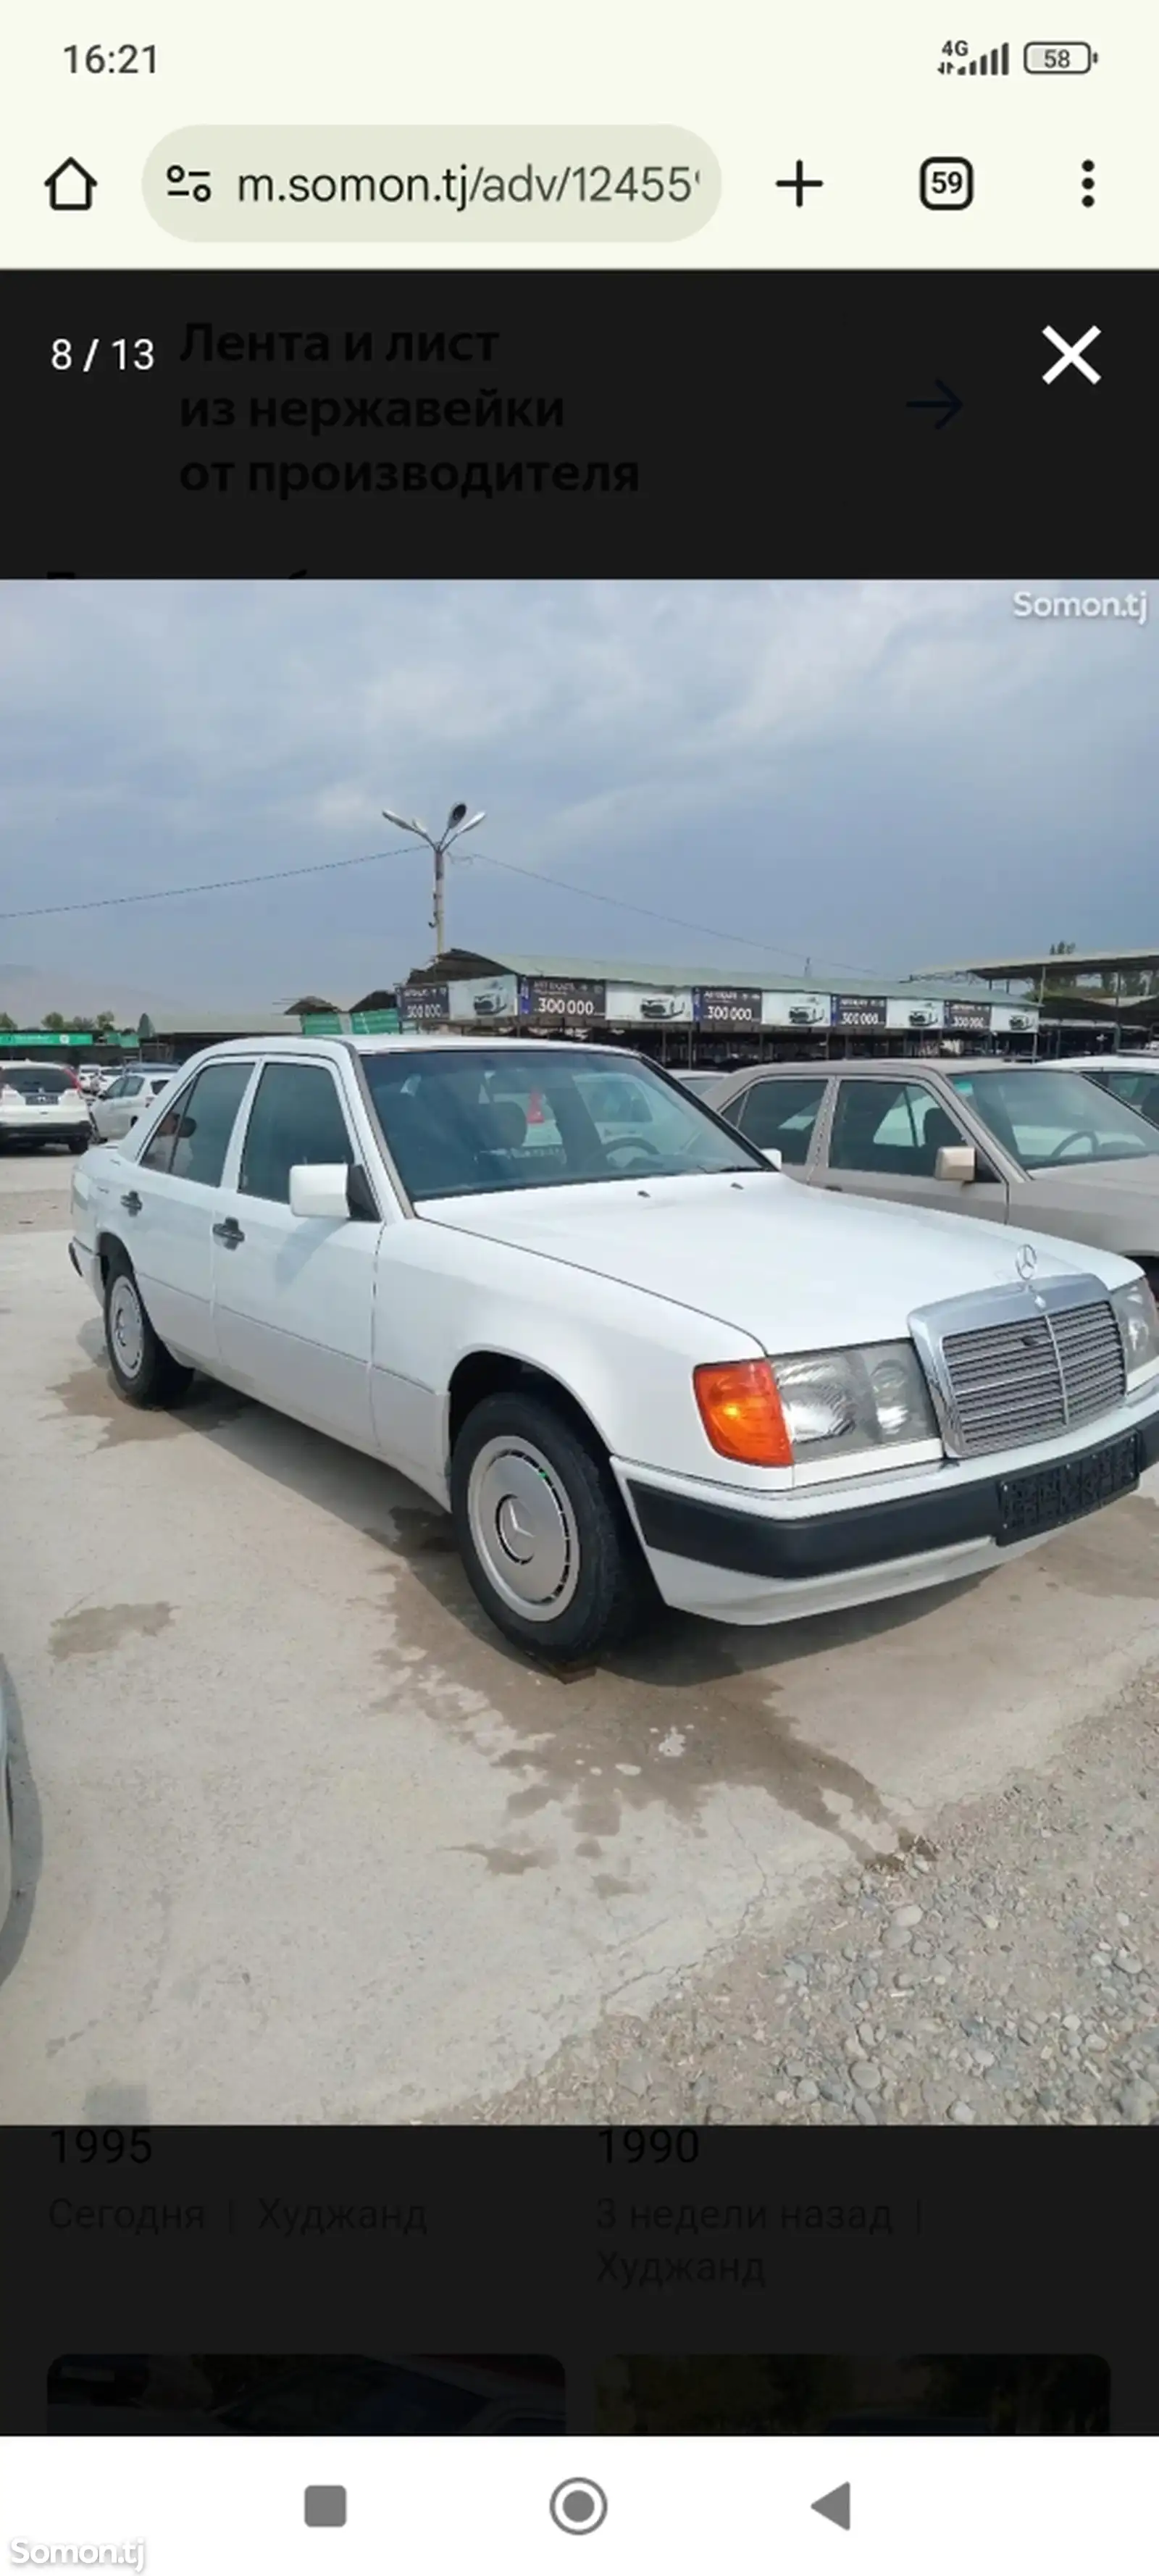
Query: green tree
(106, 1020)
(54, 1020)
(307, 1003)
(6, 1020)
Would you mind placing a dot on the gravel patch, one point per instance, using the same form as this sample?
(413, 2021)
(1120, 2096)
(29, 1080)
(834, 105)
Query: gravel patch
(1002, 1970)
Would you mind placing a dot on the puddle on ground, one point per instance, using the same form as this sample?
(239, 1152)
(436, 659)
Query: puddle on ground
(688, 1707)
(503, 1862)
(90, 1396)
(97, 1630)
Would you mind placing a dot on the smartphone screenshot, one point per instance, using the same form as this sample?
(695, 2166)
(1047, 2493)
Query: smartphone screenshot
(579, 1237)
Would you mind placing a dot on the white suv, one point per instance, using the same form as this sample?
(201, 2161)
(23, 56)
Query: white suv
(43, 1104)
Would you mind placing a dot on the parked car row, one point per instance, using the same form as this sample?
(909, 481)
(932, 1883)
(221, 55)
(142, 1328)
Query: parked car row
(47, 1104)
(1040, 1145)
(621, 1345)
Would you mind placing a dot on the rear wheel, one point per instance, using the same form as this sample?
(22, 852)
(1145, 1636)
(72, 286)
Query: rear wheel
(146, 1373)
(79, 1144)
(542, 1531)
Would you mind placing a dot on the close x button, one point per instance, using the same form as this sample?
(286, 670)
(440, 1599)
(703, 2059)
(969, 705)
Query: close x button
(1072, 354)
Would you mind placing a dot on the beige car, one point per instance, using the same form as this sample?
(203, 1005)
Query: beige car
(1030, 1145)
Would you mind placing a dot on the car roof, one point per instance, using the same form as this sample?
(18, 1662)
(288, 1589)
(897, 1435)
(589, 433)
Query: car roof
(906, 1065)
(483, 1044)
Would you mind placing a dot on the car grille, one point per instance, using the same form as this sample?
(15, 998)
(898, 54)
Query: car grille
(1030, 1380)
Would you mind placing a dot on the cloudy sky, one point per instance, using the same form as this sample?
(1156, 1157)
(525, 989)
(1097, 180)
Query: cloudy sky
(871, 776)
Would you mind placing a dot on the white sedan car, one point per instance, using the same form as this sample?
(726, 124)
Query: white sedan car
(634, 1360)
(120, 1104)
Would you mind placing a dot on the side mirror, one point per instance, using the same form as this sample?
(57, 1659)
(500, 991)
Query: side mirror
(771, 1154)
(956, 1163)
(320, 1189)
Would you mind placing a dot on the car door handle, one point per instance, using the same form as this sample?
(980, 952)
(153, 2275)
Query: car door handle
(229, 1231)
(131, 1201)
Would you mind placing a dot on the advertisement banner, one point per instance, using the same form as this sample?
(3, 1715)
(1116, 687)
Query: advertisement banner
(796, 1010)
(727, 1006)
(424, 1005)
(859, 1010)
(967, 1015)
(653, 1006)
(484, 997)
(574, 999)
(914, 1015)
(1008, 1020)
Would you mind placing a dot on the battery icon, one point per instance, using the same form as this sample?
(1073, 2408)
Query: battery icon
(1058, 58)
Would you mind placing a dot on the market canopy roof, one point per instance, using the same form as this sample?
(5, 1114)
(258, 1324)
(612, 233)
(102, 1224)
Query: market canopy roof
(1079, 961)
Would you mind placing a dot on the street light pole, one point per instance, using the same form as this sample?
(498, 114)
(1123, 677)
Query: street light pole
(458, 821)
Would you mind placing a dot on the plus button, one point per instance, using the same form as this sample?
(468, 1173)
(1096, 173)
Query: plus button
(798, 183)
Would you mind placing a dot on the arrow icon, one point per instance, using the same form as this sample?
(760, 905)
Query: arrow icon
(836, 2506)
(947, 404)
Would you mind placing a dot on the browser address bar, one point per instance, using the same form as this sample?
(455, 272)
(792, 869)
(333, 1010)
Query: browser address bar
(432, 183)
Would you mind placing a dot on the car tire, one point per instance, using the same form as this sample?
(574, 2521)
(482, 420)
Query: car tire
(79, 1144)
(544, 1537)
(144, 1372)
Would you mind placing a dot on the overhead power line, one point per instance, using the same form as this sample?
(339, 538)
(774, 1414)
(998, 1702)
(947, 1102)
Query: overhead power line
(211, 885)
(367, 858)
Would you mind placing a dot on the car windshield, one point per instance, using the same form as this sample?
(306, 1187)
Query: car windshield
(31, 1078)
(461, 1122)
(1045, 1117)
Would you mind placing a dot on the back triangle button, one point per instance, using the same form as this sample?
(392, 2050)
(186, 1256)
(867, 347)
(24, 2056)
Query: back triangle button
(836, 2506)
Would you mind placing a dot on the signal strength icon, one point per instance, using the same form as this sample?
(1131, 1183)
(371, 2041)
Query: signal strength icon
(996, 64)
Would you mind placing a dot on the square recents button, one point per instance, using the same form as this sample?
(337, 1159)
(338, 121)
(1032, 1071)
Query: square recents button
(325, 2508)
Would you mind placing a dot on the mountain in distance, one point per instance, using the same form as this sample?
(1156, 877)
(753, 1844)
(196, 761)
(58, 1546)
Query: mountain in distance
(27, 992)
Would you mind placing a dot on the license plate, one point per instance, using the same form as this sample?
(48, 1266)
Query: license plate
(1049, 1496)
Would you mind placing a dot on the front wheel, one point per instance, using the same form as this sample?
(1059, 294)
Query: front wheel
(542, 1531)
(146, 1373)
(79, 1144)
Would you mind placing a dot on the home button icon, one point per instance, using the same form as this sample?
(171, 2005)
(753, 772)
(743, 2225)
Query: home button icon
(71, 189)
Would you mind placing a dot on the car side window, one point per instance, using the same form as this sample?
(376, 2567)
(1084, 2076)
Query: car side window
(131, 1085)
(297, 1117)
(783, 1114)
(158, 1153)
(892, 1127)
(116, 1089)
(1131, 1087)
(192, 1140)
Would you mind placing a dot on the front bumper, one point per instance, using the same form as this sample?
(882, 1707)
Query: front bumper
(755, 1566)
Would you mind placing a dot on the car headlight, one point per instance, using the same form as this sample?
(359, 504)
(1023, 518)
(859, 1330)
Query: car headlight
(1138, 1322)
(839, 1403)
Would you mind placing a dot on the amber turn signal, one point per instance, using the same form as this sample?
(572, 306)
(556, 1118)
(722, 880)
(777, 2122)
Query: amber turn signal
(741, 1412)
